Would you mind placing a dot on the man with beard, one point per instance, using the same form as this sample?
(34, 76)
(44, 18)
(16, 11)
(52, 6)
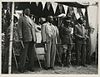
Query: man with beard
(50, 39)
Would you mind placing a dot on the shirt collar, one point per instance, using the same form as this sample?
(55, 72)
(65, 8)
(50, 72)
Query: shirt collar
(26, 16)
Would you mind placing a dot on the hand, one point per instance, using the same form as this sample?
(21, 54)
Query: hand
(35, 42)
(81, 37)
(84, 38)
(45, 42)
(20, 39)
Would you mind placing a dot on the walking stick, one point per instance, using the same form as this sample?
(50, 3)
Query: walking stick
(11, 41)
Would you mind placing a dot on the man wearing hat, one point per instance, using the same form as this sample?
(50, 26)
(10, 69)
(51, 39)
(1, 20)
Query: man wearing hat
(66, 38)
(27, 35)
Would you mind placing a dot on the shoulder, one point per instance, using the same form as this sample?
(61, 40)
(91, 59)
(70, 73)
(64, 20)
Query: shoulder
(56, 27)
(45, 23)
(76, 26)
(21, 17)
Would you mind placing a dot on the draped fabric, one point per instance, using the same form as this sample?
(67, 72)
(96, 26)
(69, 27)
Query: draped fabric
(33, 8)
(48, 10)
(93, 21)
(40, 9)
(54, 5)
(59, 10)
(71, 14)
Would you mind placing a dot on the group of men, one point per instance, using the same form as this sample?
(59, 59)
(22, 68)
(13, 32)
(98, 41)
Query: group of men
(50, 35)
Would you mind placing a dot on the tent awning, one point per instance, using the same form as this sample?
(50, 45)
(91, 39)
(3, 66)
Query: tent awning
(73, 4)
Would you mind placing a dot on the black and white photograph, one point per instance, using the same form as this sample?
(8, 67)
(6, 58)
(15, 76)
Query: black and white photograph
(49, 37)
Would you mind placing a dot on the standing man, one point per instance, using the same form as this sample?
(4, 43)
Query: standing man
(80, 38)
(51, 33)
(66, 39)
(27, 36)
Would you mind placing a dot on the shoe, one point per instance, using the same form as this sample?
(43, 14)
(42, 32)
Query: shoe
(32, 70)
(46, 68)
(84, 65)
(68, 66)
(21, 71)
(52, 68)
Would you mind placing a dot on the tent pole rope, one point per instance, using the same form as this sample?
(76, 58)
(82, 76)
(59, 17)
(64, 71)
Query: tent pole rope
(11, 40)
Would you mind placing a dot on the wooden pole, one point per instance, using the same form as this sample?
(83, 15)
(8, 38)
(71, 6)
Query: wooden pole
(96, 50)
(0, 35)
(11, 40)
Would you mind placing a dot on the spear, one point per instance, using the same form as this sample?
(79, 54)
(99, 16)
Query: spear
(11, 40)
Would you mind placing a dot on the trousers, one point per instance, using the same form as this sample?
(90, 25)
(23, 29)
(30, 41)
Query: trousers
(81, 53)
(66, 55)
(50, 53)
(27, 52)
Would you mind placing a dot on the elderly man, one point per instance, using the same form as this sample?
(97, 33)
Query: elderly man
(50, 38)
(27, 35)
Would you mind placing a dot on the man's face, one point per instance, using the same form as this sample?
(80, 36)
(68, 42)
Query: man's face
(51, 19)
(41, 20)
(84, 23)
(27, 12)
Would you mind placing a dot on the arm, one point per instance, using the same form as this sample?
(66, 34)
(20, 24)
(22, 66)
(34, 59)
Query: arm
(20, 21)
(76, 33)
(43, 32)
(47, 29)
(57, 34)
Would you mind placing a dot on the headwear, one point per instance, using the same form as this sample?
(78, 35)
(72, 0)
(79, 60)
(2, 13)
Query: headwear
(50, 16)
(80, 21)
(67, 19)
(42, 19)
(62, 15)
(17, 16)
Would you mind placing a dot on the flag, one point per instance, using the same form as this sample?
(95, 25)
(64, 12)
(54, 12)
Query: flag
(43, 3)
(83, 11)
(37, 3)
(54, 5)
(65, 8)
(76, 13)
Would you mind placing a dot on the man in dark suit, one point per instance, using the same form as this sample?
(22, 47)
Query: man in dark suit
(80, 37)
(27, 36)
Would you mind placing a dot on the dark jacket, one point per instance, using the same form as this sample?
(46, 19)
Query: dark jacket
(65, 35)
(79, 33)
(26, 29)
